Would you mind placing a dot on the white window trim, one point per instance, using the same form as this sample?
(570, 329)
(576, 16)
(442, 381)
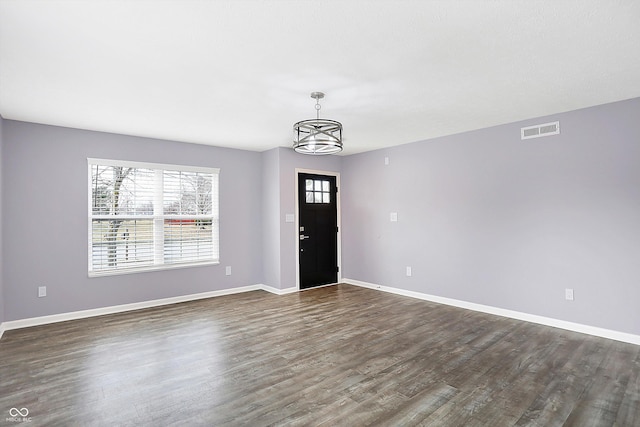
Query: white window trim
(145, 165)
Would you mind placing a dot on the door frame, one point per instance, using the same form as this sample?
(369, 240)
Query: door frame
(298, 171)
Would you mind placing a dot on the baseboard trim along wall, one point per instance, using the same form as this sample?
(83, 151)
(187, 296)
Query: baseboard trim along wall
(547, 321)
(63, 317)
(278, 291)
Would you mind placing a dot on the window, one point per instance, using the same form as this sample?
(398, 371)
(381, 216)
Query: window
(147, 216)
(317, 191)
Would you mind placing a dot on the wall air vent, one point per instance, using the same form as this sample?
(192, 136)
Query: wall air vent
(537, 131)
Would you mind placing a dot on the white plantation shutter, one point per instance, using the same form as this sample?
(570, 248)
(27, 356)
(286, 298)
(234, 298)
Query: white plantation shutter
(145, 216)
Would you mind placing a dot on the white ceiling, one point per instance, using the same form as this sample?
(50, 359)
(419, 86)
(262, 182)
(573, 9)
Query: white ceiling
(239, 73)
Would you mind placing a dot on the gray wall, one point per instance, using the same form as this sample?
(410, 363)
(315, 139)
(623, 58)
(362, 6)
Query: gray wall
(482, 217)
(487, 218)
(1, 223)
(271, 217)
(45, 220)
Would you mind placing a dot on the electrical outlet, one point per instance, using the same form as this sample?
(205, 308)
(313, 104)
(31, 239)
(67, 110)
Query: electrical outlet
(227, 270)
(408, 271)
(42, 291)
(568, 294)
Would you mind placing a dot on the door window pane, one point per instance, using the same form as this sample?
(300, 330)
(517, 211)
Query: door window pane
(317, 191)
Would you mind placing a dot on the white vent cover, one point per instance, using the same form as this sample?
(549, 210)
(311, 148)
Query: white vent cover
(537, 131)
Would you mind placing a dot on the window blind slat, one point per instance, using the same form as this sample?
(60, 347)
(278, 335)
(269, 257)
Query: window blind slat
(126, 201)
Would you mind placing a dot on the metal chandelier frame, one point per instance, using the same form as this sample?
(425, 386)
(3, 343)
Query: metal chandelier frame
(317, 136)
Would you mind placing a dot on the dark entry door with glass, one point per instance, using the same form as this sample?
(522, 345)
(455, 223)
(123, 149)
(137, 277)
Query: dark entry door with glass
(318, 232)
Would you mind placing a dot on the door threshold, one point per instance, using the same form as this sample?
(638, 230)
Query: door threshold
(319, 286)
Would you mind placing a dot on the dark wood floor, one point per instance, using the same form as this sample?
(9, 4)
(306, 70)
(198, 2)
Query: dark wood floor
(339, 355)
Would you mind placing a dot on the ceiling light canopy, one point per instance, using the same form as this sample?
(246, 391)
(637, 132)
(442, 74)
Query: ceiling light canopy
(317, 136)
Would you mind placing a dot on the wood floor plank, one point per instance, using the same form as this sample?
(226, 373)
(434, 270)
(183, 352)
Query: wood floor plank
(422, 405)
(562, 390)
(601, 401)
(630, 406)
(339, 355)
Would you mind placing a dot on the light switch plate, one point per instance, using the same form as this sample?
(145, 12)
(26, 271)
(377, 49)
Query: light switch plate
(393, 216)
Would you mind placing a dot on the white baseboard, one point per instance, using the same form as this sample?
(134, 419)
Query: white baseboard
(547, 321)
(562, 324)
(54, 318)
(278, 291)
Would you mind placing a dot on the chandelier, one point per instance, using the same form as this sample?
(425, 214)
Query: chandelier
(317, 136)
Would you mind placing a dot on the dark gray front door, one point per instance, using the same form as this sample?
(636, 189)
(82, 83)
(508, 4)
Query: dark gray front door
(318, 232)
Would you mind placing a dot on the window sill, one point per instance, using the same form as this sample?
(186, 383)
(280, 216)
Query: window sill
(151, 268)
